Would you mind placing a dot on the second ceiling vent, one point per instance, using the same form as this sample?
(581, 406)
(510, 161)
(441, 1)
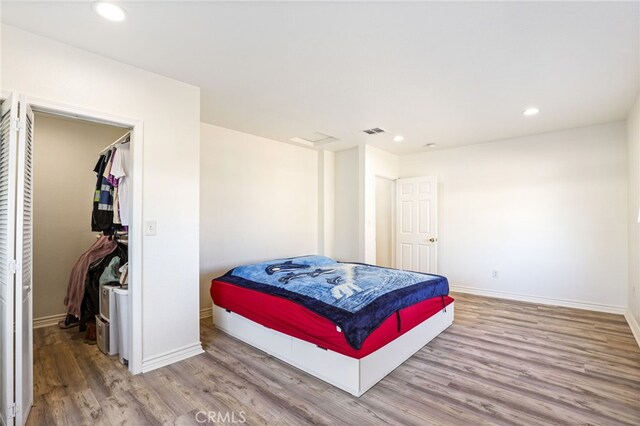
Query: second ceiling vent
(374, 131)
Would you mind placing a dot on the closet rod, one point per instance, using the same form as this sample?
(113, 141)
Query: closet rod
(121, 139)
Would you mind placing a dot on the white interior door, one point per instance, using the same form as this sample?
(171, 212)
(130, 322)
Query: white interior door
(8, 146)
(417, 224)
(24, 247)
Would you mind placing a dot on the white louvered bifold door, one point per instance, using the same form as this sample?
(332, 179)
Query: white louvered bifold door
(8, 146)
(24, 249)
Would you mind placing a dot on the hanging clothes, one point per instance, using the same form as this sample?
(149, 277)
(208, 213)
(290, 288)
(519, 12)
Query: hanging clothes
(105, 258)
(124, 275)
(116, 205)
(111, 274)
(90, 306)
(111, 203)
(120, 172)
(76, 288)
(102, 214)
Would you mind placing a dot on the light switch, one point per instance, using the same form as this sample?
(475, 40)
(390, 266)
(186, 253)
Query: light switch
(150, 228)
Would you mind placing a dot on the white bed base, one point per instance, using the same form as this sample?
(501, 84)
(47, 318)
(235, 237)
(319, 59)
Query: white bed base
(355, 376)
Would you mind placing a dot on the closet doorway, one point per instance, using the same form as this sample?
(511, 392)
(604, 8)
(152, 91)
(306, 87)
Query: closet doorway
(64, 154)
(37, 218)
(66, 157)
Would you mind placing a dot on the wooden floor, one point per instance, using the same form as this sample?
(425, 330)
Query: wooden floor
(501, 362)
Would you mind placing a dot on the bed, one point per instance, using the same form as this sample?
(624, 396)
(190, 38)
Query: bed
(348, 324)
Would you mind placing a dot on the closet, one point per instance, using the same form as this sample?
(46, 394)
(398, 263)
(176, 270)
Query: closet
(48, 183)
(80, 244)
(52, 213)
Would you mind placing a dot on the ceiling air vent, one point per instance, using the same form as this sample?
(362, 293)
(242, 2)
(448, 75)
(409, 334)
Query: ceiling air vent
(374, 131)
(314, 139)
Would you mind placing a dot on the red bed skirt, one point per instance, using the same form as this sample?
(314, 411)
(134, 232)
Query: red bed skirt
(295, 320)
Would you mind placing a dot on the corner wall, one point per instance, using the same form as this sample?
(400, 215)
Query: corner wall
(326, 203)
(548, 212)
(378, 163)
(356, 170)
(170, 110)
(258, 201)
(347, 209)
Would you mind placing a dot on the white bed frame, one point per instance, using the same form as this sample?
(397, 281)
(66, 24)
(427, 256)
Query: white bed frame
(355, 376)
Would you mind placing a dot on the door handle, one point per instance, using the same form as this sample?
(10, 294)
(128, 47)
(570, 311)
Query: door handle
(433, 240)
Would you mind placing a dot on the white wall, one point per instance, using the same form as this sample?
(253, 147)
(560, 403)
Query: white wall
(326, 203)
(549, 212)
(376, 163)
(356, 170)
(347, 210)
(633, 140)
(64, 154)
(258, 201)
(170, 111)
(385, 203)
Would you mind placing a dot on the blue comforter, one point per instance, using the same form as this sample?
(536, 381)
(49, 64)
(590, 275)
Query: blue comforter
(356, 297)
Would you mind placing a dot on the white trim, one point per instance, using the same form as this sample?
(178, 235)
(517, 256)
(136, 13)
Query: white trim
(611, 309)
(135, 255)
(48, 321)
(135, 232)
(352, 375)
(633, 324)
(171, 357)
(206, 313)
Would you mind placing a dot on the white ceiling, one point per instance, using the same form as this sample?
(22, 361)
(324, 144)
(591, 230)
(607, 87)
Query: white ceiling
(444, 73)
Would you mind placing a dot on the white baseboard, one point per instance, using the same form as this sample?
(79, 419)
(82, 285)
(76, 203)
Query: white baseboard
(633, 324)
(540, 300)
(206, 313)
(171, 357)
(48, 321)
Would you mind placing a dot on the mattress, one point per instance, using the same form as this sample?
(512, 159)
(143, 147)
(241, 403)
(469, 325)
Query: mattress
(354, 296)
(295, 320)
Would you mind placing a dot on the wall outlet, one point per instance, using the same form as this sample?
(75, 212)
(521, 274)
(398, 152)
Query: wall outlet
(494, 274)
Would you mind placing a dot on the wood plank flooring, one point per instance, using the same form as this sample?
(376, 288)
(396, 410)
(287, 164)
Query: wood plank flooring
(501, 362)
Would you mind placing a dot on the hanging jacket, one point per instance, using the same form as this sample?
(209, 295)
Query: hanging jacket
(75, 290)
(90, 304)
(102, 214)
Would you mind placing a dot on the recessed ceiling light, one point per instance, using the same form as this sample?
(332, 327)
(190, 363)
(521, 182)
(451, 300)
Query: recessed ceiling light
(530, 111)
(109, 11)
(398, 138)
(430, 145)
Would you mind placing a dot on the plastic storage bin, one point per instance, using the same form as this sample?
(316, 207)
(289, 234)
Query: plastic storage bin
(122, 308)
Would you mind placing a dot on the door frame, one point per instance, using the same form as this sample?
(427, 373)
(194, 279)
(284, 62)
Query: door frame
(136, 228)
